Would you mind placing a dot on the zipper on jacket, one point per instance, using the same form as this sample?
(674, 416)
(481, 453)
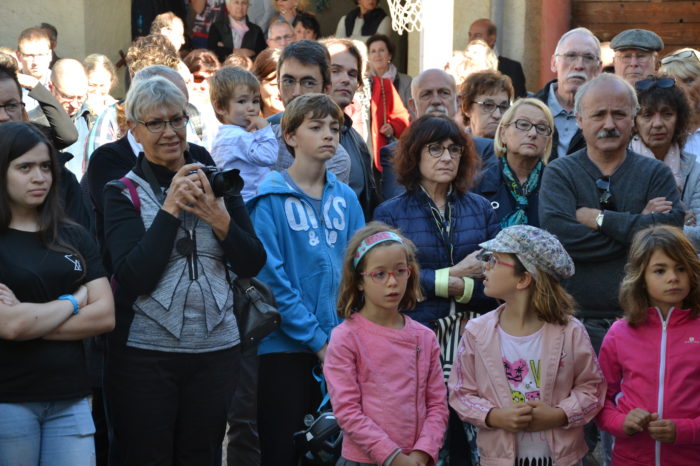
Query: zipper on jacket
(662, 375)
(417, 401)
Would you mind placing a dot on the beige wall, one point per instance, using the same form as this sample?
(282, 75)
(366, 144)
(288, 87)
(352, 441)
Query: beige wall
(519, 29)
(84, 26)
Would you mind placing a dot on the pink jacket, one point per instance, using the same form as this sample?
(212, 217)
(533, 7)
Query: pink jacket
(571, 380)
(655, 367)
(387, 389)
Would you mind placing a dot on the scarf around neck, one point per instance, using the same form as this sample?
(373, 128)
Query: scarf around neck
(520, 193)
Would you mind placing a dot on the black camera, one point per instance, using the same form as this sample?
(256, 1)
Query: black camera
(223, 183)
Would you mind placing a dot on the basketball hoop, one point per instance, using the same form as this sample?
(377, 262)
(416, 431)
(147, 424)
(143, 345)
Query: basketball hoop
(406, 15)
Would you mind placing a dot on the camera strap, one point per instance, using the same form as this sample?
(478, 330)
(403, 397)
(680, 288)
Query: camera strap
(152, 180)
(186, 246)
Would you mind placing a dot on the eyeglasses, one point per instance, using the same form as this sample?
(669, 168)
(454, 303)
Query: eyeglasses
(305, 83)
(199, 79)
(490, 259)
(572, 57)
(489, 106)
(436, 150)
(525, 126)
(642, 57)
(278, 39)
(63, 97)
(381, 277)
(34, 56)
(12, 107)
(606, 200)
(661, 83)
(679, 56)
(158, 126)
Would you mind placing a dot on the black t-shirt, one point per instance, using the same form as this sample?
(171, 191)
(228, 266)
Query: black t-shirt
(42, 370)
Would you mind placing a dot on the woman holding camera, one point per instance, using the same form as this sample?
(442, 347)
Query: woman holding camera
(173, 357)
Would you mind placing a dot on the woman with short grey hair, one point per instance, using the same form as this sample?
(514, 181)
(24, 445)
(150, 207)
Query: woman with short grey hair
(173, 357)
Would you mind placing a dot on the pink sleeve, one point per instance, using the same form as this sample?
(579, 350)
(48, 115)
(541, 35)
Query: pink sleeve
(340, 370)
(435, 424)
(463, 388)
(588, 393)
(687, 430)
(610, 418)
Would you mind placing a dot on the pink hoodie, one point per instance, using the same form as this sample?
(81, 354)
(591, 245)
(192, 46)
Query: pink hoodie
(571, 380)
(655, 367)
(387, 389)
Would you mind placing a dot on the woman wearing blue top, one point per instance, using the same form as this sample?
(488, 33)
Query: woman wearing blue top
(522, 144)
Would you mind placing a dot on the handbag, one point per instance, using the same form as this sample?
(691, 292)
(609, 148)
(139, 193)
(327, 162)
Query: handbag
(255, 309)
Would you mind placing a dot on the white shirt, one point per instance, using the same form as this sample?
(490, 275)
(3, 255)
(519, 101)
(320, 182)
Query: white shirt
(523, 366)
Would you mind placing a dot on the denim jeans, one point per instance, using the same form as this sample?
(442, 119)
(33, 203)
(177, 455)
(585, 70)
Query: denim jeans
(56, 433)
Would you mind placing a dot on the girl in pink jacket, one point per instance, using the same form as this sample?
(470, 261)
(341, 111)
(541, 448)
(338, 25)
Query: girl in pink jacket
(526, 373)
(383, 368)
(652, 357)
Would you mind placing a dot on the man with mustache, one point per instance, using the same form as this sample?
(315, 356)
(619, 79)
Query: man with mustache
(576, 60)
(597, 198)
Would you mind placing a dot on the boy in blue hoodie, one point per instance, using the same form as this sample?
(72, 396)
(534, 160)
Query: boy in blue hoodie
(305, 218)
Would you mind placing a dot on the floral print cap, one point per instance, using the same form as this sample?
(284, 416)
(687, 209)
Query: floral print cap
(537, 249)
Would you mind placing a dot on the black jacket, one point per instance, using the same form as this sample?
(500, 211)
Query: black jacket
(577, 142)
(493, 187)
(112, 161)
(513, 69)
(221, 40)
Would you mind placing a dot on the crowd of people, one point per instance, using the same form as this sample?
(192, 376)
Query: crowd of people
(466, 272)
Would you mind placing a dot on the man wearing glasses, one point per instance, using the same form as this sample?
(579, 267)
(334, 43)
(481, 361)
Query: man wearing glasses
(69, 86)
(34, 54)
(304, 68)
(576, 60)
(636, 53)
(596, 199)
(280, 35)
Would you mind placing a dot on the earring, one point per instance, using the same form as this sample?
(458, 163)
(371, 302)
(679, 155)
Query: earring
(504, 150)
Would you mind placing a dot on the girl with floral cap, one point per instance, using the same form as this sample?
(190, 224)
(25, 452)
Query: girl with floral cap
(526, 373)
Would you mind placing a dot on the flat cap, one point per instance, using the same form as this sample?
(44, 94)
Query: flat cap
(637, 39)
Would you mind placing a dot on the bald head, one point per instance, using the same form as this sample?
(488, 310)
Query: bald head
(433, 92)
(164, 72)
(483, 29)
(69, 84)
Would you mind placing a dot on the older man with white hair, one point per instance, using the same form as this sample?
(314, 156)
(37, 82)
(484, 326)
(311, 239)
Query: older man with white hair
(576, 60)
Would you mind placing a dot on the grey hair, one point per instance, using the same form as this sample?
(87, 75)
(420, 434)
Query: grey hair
(148, 94)
(227, 2)
(581, 92)
(153, 71)
(580, 30)
(415, 83)
(276, 22)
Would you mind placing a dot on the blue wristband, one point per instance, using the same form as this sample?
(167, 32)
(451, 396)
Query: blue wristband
(71, 298)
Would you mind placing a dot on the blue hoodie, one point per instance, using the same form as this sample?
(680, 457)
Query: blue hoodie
(305, 251)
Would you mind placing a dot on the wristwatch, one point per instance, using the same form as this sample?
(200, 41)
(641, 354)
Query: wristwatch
(599, 220)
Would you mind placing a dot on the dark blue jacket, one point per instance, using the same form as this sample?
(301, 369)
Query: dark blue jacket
(473, 222)
(493, 187)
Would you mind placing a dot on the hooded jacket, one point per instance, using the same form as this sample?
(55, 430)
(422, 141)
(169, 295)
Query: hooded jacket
(653, 366)
(305, 250)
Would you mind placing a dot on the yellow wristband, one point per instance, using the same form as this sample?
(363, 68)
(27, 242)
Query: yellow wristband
(442, 280)
(468, 291)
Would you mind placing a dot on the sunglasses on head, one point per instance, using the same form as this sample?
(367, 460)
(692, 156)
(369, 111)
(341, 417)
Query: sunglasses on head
(606, 200)
(680, 56)
(661, 83)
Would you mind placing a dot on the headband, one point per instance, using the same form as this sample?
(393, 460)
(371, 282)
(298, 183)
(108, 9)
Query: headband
(371, 241)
